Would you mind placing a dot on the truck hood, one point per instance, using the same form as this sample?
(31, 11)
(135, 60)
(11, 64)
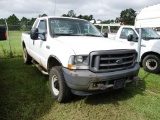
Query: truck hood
(85, 44)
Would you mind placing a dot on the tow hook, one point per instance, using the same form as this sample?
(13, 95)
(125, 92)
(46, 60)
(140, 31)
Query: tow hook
(136, 80)
(103, 87)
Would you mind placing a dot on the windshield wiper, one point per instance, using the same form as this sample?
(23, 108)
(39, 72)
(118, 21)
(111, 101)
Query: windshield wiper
(148, 38)
(61, 34)
(92, 35)
(67, 35)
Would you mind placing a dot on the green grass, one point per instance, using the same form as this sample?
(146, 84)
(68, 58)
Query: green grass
(15, 40)
(24, 94)
(152, 81)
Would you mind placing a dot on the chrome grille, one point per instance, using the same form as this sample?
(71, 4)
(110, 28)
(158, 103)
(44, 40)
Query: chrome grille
(112, 60)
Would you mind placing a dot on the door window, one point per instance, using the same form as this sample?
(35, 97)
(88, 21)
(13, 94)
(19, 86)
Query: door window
(42, 28)
(128, 31)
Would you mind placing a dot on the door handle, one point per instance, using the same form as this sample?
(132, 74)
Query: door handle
(143, 45)
(48, 47)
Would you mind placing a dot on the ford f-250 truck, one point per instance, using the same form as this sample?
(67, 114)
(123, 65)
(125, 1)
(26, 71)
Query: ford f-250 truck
(78, 59)
(150, 46)
(3, 34)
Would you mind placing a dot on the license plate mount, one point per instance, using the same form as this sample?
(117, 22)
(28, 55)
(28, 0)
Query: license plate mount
(119, 84)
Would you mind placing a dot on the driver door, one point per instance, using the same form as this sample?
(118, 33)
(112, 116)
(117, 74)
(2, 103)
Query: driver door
(124, 37)
(39, 43)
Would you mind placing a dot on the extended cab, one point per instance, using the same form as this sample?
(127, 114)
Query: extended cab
(3, 35)
(150, 46)
(78, 58)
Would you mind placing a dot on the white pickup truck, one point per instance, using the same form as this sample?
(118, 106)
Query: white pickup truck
(78, 58)
(150, 46)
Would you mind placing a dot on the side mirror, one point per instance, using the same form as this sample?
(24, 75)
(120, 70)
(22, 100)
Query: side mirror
(130, 37)
(34, 33)
(105, 34)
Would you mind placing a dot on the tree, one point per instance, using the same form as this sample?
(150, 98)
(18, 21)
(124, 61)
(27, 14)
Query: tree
(2, 21)
(71, 13)
(90, 17)
(64, 15)
(86, 17)
(13, 20)
(24, 23)
(128, 16)
(24, 19)
(80, 16)
(117, 20)
(43, 15)
(107, 21)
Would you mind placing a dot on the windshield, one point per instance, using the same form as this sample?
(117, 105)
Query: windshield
(72, 27)
(148, 34)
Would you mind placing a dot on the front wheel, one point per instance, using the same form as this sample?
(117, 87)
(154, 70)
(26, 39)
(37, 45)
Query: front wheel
(27, 58)
(58, 87)
(151, 63)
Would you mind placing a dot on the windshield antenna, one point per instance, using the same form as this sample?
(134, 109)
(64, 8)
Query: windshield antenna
(55, 8)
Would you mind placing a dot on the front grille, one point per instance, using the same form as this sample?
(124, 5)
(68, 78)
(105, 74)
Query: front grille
(112, 60)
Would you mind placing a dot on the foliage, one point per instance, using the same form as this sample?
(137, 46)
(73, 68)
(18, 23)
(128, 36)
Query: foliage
(2, 21)
(7, 53)
(13, 20)
(127, 16)
(43, 15)
(16, 48)
(71, 13)
(107, 21)
(15, 24)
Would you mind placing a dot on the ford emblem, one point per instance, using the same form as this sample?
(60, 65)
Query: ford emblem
(120, 61)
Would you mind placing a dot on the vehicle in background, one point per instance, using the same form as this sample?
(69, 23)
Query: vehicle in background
(111, 29)
(150, 45)
(3, 34)
(78, 58)
(147, 19)
(157, 29)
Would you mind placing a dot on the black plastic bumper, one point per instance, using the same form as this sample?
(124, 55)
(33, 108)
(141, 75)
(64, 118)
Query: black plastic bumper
(88, 82)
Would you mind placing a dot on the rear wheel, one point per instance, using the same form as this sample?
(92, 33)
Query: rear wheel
(58, 87)
(151, 63)
(27, 58)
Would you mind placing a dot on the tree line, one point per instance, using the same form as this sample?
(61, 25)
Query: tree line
(126, 17)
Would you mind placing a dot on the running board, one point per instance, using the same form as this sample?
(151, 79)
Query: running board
(39, 68)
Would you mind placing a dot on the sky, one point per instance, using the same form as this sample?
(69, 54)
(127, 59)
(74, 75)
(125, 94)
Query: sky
(100, 9)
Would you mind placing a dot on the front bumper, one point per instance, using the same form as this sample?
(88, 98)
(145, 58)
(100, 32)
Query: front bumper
(85, 81)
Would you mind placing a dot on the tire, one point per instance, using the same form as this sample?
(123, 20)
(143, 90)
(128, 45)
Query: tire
(27, 58)
(58, 87)
(151, 63)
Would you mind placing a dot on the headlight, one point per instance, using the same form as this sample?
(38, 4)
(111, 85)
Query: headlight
(78, 62)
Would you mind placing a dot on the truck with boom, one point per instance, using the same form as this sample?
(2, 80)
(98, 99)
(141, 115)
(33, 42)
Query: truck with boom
(78, 58)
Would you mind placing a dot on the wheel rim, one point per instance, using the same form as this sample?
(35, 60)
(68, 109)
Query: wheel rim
(55, 85)
(151, 64)
(24, 54)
